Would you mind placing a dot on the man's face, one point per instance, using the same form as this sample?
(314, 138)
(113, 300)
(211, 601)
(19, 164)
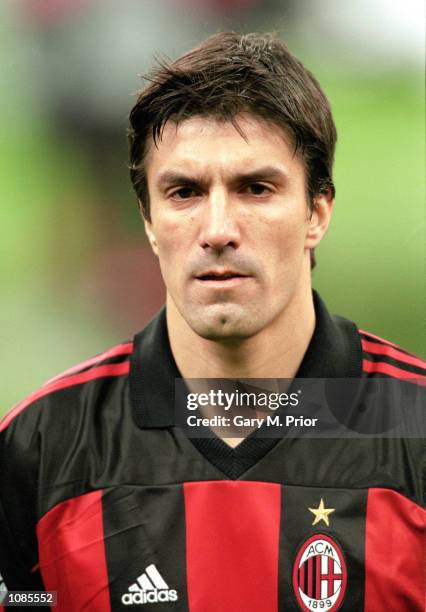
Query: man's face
(230, 223)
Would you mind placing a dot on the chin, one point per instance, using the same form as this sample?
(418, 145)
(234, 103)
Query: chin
(224, 324)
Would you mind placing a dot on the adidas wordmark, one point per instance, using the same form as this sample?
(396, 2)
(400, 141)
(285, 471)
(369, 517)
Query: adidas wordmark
(150, 587)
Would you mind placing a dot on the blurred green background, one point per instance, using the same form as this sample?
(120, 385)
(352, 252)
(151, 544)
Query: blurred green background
(76, 273)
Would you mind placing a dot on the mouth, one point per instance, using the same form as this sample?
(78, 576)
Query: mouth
(213, 276)
(221, 278)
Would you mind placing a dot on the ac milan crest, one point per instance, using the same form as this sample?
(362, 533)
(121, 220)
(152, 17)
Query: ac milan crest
(319, 574)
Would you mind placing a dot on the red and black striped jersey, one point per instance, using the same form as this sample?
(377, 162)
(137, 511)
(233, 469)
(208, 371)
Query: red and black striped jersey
(106, 501)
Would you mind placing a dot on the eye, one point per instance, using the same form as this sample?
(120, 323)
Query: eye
(183, 193)
(257, 189)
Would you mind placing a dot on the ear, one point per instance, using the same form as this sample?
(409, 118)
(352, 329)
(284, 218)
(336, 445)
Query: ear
(319, 220)
(151, 236)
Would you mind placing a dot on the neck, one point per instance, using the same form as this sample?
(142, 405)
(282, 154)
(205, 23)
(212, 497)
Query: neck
(275, 352)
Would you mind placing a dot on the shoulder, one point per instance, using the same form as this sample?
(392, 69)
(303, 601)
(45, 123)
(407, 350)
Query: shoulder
(113, 363)
(382, 357)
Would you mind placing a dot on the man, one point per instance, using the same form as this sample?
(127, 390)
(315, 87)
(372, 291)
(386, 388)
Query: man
(103, 498)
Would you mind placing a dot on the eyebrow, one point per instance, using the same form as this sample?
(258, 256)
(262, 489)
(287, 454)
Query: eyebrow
(170, 177)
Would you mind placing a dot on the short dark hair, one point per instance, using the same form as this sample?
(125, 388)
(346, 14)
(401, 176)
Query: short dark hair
(224, 76)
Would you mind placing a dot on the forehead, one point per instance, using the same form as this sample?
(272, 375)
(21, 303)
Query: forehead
(205, 143)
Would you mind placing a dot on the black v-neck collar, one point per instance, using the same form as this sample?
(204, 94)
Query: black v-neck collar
(333, 352)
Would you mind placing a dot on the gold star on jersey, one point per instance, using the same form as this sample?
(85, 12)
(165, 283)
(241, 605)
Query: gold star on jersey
(321, 513)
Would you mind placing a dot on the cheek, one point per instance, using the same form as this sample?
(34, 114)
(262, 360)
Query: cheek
(168, 234)
(173, 249)
(173, 228)
(286, 244)
(169, 253)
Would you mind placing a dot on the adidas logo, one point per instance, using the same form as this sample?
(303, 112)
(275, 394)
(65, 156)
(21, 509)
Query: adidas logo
(150, 587)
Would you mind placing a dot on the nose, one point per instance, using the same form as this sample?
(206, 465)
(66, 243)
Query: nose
(219, 228)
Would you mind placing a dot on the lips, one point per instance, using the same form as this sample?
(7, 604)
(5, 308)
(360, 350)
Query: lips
(219, 275)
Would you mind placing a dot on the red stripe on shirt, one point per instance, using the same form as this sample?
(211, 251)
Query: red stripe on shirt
(232, 545)
(72, 554)
(383, 349)
(382, 340)
(114, 369)
(116, 351)
(394, 553)
(381, 367)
